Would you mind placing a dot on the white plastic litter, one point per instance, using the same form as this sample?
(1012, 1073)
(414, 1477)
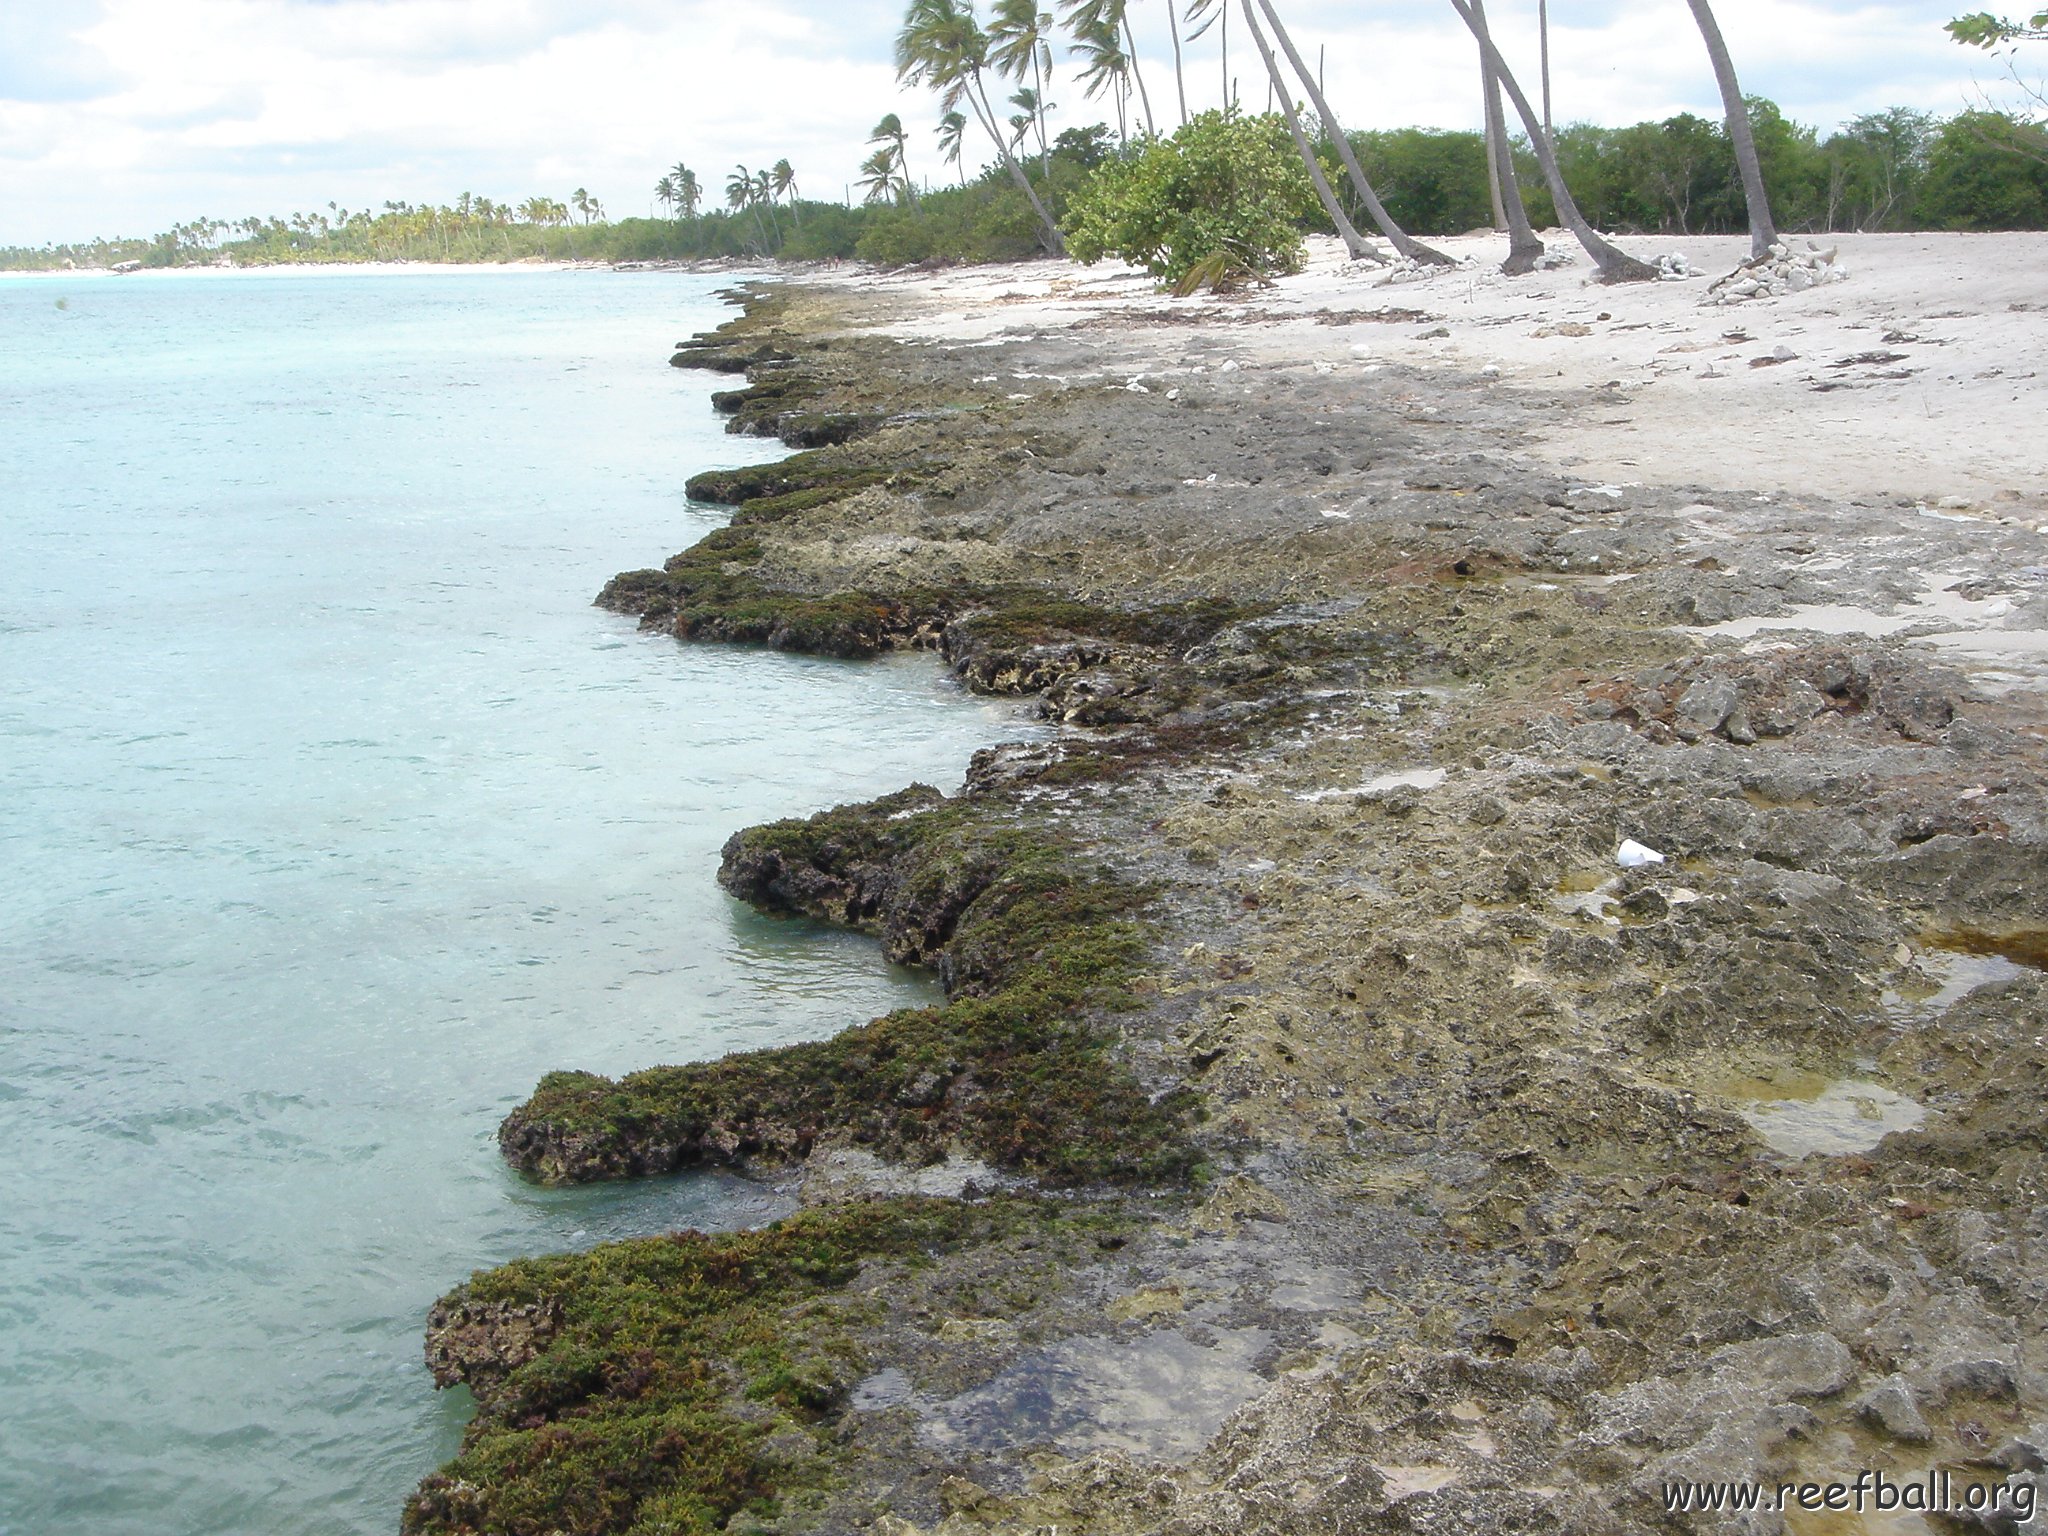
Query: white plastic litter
(1633, 855)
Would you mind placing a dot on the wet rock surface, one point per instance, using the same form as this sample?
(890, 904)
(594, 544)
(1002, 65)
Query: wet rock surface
(1486, 1236)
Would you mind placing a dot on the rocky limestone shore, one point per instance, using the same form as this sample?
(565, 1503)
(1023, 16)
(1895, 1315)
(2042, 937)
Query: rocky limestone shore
(1325, 1130)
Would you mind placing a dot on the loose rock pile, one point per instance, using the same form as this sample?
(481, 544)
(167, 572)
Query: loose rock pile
(1779, 270)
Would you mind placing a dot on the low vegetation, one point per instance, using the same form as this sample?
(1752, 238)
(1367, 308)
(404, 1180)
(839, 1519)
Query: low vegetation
(1223, 198)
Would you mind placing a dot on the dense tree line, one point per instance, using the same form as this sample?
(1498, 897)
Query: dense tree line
(1897, 170)
(1893, 170)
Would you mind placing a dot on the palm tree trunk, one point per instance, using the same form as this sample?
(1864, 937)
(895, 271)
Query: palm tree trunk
(1616, 266)
(1137, 74)
(1053, 240)
(1038, 86)
(1180, 82)
(903, 165)
(1355, 244)
(1500, 214)
(1524, 249)
(1763, 229)
(1407, 245)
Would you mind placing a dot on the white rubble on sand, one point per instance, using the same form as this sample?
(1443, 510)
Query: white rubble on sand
(1409, 270)
(1673, 267)
(1779, 270)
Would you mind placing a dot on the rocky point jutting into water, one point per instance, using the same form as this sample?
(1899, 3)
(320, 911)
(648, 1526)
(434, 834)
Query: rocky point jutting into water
(1323, 1130)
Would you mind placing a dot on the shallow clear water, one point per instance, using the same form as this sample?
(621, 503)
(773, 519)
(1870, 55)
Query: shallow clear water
(331, 816)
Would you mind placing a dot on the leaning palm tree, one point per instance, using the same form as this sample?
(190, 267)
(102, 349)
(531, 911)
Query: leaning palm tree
(1355, 244)
(890, 131)
(942, 45)
(1018, 35)
(1105, 67)
(1114, 16)
(1615, 265)
(1033, 111)
(764, 197)
(740, 192)
(1401, 240)
(1524, 248)
(878, 181)
(952, 128)
(1763, 229)
(785, 186)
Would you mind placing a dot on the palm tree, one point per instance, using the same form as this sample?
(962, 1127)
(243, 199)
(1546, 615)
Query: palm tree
(1018, 33)
(785, 186)
(1105, 67)
(890, 131)
(689, 191)
(1763, 229)
(942, 45)
(741, 190)
(1114, 17)
(1524, 249)
(1355, 244)
(1402, 241)
(580, 201)
(878, 180)
(1616, 266)
(951, 129)
(1032, 112)
(665, 191)
(764, 197)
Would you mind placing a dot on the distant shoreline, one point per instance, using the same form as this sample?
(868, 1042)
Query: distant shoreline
(387, 268)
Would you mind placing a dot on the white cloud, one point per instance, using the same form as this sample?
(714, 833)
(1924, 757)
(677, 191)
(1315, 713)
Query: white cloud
(128, 115)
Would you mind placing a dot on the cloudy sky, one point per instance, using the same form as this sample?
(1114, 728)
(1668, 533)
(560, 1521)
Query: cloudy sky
(125, 116)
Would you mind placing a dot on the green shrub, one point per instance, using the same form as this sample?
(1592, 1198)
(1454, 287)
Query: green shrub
(1225, 193)
(1986, 170)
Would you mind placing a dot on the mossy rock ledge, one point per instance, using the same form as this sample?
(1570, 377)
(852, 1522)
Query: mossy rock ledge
(1016, 1068)
(688, 1383)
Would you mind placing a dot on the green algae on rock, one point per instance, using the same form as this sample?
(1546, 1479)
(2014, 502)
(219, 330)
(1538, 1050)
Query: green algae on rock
(673, 1383)
(1015, 1068)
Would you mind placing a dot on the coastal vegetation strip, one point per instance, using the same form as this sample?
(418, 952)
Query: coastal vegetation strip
(1898, 169)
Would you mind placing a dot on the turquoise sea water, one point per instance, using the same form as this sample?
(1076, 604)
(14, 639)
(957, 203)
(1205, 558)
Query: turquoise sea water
(331, 816)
